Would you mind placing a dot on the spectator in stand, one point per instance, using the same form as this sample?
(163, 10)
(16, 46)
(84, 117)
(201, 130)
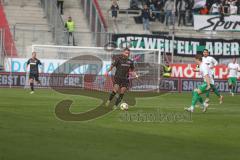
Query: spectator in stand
(168, 9)
(146, 14)
(238, 5)
(233, 9)
(189, 11)
(152, 5)
(70, 26)
(225, 7)
(60, 6)
(215, 9)
(204, 10)
(160, 8)
(222, 11)
(114, 8)
(232, 6)
(134, 4)
(147, 2)
(181, 8)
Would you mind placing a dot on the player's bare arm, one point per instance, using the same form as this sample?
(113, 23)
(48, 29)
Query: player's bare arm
(133, 73)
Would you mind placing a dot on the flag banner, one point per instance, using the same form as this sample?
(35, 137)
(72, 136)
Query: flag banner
(218, 48)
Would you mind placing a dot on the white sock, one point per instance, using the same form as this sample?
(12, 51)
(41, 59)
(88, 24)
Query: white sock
(192, 108)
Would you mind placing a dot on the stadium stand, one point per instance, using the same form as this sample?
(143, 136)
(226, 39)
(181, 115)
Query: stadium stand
(46, 24)
(28, 24)
(129, 21)
(7, 43)
(125, 21)
(72, 8)
(40, 28)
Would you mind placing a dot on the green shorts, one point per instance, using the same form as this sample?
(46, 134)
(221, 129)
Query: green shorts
(212, 86)
(203, 87)
(232, 80)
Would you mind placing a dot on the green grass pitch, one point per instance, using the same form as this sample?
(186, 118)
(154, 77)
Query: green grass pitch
(29, 130)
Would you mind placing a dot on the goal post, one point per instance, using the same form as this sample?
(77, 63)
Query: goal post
(95, 61)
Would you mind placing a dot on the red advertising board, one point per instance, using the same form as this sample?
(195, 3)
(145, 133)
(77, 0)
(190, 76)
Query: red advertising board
(184, 71)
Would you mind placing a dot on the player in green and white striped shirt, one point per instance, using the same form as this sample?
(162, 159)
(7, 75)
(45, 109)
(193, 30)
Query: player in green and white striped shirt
(233, 69)
(211, 62)
(204, 87)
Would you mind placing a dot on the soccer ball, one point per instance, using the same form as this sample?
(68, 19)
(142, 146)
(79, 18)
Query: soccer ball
(124, 106)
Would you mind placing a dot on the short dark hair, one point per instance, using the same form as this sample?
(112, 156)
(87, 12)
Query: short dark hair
(205, 50)
(198, 57)
(126, 49)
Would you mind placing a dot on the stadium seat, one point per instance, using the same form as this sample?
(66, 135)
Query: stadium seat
(26, 29)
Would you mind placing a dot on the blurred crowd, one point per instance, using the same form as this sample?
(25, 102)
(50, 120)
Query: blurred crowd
(165, 10)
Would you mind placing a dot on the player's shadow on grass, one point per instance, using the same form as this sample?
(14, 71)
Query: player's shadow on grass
(62, 109)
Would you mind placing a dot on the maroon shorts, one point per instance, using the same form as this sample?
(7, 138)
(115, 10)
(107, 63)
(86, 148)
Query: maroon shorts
(122, 82)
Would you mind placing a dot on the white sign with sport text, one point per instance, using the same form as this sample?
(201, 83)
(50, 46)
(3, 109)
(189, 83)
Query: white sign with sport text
(216, 23)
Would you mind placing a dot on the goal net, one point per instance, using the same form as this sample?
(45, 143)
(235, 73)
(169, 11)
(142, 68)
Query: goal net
(84, 67)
